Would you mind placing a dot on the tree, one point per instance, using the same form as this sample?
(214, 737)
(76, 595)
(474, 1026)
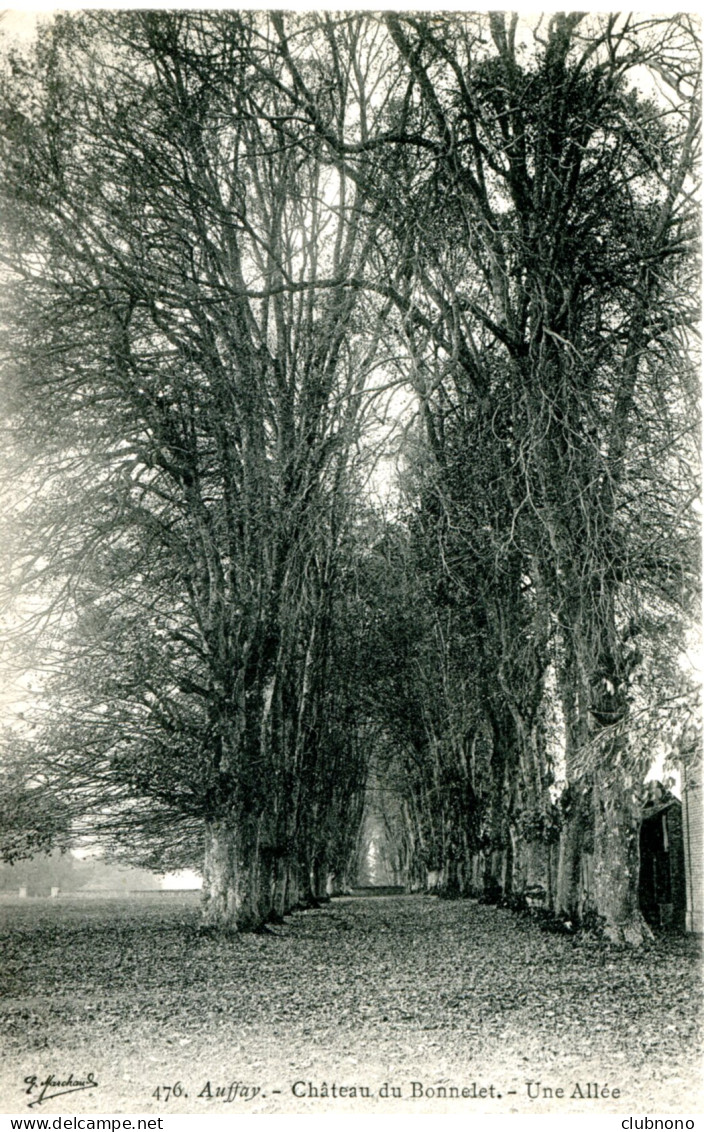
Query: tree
(540, 237)
(571, 203)
(187, 395)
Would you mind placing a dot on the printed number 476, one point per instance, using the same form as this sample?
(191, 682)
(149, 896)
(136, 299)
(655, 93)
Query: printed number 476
(163, 1092)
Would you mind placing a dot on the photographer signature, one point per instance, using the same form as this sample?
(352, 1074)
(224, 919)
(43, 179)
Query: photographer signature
(52, 1087)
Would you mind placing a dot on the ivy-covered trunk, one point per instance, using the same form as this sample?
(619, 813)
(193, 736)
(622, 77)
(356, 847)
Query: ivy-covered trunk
(599, 848)
(616, 802)
(617, 860)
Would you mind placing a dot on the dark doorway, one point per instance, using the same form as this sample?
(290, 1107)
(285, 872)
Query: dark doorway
(662, 888)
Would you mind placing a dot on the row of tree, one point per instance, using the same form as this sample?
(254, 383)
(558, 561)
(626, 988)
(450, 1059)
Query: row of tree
(232, 238)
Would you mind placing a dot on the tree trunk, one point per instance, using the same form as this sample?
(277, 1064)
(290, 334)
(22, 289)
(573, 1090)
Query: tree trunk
(599, 847)
(450, 879)
(319, 879)
(617, 863)
(306, 897)
(279, 876)
(575, 841)
(336, 884)
(236, 894)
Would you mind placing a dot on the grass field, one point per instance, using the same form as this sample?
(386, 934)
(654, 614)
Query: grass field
(423, 996)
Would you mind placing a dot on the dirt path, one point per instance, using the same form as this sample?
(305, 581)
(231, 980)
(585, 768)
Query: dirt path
(457, 1005)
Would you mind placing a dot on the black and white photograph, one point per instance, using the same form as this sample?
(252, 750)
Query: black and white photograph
(350, 541)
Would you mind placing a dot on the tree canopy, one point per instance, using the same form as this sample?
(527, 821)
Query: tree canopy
(230, 238)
